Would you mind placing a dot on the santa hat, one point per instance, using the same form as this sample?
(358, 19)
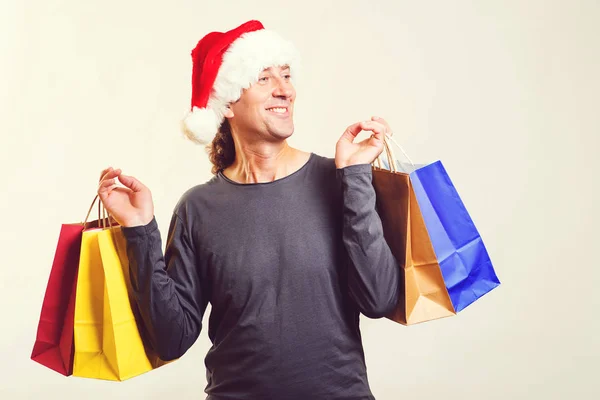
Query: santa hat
(224, 64)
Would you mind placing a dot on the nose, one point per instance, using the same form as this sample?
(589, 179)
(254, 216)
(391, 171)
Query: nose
(283, 89)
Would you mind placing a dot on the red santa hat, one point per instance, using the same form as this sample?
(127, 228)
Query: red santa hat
(224, 64)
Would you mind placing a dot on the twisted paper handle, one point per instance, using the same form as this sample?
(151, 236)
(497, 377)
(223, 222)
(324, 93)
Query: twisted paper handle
(103, 218)
(390, 155)
(103, 215)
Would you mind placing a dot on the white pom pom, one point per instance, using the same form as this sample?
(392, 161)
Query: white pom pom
(201, 125)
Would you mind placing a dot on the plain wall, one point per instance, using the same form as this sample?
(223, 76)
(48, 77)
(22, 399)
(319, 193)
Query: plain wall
(505, 93)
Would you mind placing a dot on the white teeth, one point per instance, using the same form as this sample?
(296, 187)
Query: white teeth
(278, 110)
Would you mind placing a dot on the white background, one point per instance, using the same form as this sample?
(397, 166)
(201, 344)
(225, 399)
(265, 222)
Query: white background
(505, 93)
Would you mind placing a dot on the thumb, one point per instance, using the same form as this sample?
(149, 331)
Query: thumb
(351, 132)
(131, 182)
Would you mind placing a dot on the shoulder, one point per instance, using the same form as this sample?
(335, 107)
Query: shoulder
(323, 163)
(324, 174)
(198, 197)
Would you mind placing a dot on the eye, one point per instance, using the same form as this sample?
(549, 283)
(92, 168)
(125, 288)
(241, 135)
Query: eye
(288, 76)
(263, 79)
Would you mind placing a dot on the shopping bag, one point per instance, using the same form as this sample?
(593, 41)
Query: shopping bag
(108, 342)
(423, 294)
(53, 345)
(462, 255)
(464, 260)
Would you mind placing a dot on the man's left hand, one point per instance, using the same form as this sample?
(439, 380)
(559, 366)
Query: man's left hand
(365, 152)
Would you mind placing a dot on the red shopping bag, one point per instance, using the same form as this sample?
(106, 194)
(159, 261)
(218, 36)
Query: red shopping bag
(53, 346)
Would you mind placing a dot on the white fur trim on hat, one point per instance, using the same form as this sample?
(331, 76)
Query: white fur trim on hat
(242, 64)
(201, 124)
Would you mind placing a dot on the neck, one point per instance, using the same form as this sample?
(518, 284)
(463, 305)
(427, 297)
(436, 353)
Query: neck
(262, 162)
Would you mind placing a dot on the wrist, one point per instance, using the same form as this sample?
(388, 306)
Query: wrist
(137, 222)
(136, 230)
(353, 165)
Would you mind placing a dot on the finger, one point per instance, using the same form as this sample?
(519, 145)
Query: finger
(384, 123)
(111, 173)
(104, 173)
(131, 183)
(377, 137)
(358, 127)
(374, 127)
(121, 190)
(351, 132)
(381, 121)
(105, 187)
(106, 182)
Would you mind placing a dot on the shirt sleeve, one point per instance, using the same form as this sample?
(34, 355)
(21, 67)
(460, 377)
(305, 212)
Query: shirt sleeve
(374, 273)
(167, 289)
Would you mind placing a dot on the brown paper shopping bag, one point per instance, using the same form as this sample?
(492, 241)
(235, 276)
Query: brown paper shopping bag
(424, 296)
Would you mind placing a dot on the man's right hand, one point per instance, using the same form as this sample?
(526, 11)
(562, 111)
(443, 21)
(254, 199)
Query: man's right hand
(129, 206)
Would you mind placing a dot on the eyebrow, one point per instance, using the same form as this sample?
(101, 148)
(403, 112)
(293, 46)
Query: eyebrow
(283, 68)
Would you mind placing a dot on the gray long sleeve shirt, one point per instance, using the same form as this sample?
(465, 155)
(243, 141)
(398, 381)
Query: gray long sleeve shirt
(287, 267)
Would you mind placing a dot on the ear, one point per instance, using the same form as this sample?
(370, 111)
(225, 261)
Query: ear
(228, 112)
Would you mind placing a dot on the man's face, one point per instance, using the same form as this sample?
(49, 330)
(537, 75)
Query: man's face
(265, 110)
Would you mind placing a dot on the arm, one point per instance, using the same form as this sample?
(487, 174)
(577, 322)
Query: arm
(374, 274)
(167, 289)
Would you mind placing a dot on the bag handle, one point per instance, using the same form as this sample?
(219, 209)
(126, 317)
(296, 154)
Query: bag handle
(390, 155)
(402, 150)
(101, 219)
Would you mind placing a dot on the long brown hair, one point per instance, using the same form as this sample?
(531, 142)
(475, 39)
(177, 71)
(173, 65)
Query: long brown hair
(221, 151)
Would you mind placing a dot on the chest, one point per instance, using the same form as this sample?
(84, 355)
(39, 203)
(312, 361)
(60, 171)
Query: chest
(285, 245)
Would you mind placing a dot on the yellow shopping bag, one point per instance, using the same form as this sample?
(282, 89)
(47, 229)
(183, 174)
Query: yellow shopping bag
(108, 344)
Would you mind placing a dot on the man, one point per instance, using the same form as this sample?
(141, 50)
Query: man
(285, 245)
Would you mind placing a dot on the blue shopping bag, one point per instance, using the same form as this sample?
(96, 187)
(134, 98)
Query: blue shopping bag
(464, 260)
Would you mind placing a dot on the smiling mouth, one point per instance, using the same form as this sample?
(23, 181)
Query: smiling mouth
(278, 110)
